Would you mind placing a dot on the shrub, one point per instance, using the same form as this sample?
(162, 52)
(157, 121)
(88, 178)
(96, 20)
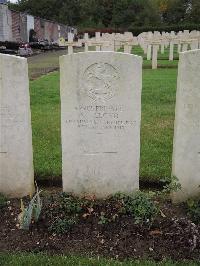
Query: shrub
(137, 30)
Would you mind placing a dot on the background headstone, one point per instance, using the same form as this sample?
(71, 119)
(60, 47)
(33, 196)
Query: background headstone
(86, 38)
(149, 51)
(186, 154)
(98, 39)
(16, 161)
(155, 56)
(100, 114)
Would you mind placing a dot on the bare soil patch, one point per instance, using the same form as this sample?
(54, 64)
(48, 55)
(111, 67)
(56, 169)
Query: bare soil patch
(171, 235)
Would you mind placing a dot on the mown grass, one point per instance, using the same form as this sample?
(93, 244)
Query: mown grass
(158, 110)
(45, 107)
(158, 104)
(24, 259)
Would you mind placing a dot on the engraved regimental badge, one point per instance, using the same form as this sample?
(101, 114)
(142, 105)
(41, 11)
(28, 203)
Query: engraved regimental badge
(101, 81)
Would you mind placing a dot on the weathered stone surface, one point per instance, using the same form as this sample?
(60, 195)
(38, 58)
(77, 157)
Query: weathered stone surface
(186, 155)
(100, 113)
(155, 57)
(16, 162)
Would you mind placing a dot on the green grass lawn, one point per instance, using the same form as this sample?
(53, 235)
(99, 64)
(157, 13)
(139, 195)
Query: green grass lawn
(158, 110)
(158, 104)
(45, 107)
(25, 259)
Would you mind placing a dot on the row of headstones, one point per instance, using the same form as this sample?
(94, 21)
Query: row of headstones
(152, 42)
(149, 42)
(104, 42)
(100, 120)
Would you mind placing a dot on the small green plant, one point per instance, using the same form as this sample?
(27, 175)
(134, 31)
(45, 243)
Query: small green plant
(61, 226)
(3, 201)
(141, 207)
(30, 213)
(64, 211)
(103, 219)
(138, 205)
(193, 208)
(173, 185)
(70, 204)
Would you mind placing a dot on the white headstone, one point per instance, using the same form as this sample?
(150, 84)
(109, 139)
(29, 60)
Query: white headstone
(149, 51)
(185, 47)
(127, 48)
(179, 48)
(70, 42)
(100, 114)
(98, 39)
(16, 162)
(86, 39)
(155, 56)
(171, 51)
(108, 46)
(162, 48)
(186, 155)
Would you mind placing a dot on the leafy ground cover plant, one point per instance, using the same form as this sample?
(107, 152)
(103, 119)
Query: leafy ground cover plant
(61, 226)
(172, 184)
(66, 210)
(193, 208)
(139, 205)
(63, 212)
(70, 204)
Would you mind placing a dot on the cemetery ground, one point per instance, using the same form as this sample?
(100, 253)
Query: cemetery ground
(45, 62)
(142, 227)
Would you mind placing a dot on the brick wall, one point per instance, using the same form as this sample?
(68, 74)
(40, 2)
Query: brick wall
(16, 26)
(39, 28)
(51, 31)
(13, 27)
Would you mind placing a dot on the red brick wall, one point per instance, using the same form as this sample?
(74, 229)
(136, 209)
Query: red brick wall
(16, 26)
(44, 29)
(39, 28)
(51, 31)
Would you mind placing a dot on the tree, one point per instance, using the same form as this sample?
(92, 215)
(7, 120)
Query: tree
(173, 11)
(194, 11)
(115, 13)
(135, 13)
(69, 12)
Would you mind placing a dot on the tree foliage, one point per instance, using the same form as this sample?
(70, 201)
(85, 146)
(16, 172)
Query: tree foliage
(114, 13)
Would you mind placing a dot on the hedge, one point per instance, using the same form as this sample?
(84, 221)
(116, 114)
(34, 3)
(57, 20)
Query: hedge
(137, 30)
